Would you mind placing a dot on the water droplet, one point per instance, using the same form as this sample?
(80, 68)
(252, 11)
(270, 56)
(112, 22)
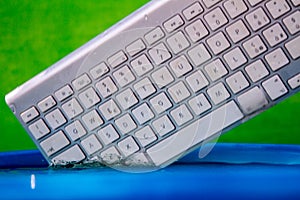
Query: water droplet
(146, 17)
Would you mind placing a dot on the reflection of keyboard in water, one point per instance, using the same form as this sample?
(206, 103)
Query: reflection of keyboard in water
(156, 85)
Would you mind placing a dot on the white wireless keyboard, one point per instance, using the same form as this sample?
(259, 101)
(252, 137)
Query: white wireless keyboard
(162, 81)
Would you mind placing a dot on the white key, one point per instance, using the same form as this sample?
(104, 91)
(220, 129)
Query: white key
(274, 87)
(210, 3)
(277, 59)
(144, 88)
(109, 109)
(196, 31)
(235, 8)
(126, 99)
(237, 82)
(92, 120)
(257, 71)
(63, 93)
(218, 93)
(55, 119)
(117, 59)
(145, 136)
(125, 124)
(192, 11)
(128, 146)
(197, 81)
(39, 129)
(252, 100)
(293, 47)
(160, 103)
(292, 22)
(81, 82)
(99, 70)
(277, 8)
(215, 70)
(89, 98)
(75, 130)
(296, 2)
(46, 104)
(154, 35)
(162, 77)
(71, 155)
(163, 125)
(178, 92)
(254, 47)
(257, 19)
(195, 133)
(143, 113)
(29, 114)
(54, 143)
(237, 31)
(294, 82)
(178, 42)
(254, 2)
(235, 58)
(135, 47)
(199, 104)
(91, 144)
(159, 54)
(274, 35)
(141, 65)
(180, 66)
(218, 43)
(173, 23)
(123, 76)
(181, 115)
(215, 19)
(110, 156)
(199, 55)
(108, 134)
(72, 108)
(106, 87)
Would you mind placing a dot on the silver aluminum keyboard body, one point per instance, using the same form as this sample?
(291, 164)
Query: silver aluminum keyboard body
(222, 63)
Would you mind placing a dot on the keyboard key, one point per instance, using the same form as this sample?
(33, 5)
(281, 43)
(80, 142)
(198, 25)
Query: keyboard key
(293, 47)
(294, 82)
(257, 19)
(274, 87)
(218, 93)
(257, 71)
(91, 144)
(159, 54)
(179, 92)
(274, 35)
(89, 98)
(141, 65)
(218, 43)
(235, 8)
(181, 115)
(128, 146)
(29, 114)
(162, 77)
(215, 70)
(237, 31)
(180, 66)
(142, 113)
(178, 42)
(106, 87)
(277, 8)
(277, 59)
(237, 82)
(92, 120)
(173, 23)
(192, 11)
(160, 103)
(71, 155)
(126, 99)
(110, 156)
(63, 93)
(54, 143)
(39, 129)
(254, 2)
(145, 136)
(292, 22)
(125, 124)
(135, 47)
(254, 47)
(154, 35)
(252, 100)
(196, 31)
(235, 58)
(144, 88)
(163, 125)
(199, 55)
(55, 119)
(197, 81)
(99, 70)
(46, 104)
(117, 59)
(108, 134)
(123, 76)
(81, 82)
(215, 19)
(210, 3)
(75, 130)
(199, 104)
(109, 110)
(296, 2)
(72, 108)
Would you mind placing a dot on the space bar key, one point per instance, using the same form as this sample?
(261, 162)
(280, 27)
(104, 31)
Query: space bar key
(174, 146)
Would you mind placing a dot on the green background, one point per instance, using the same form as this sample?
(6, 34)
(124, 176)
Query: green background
(35, 34)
